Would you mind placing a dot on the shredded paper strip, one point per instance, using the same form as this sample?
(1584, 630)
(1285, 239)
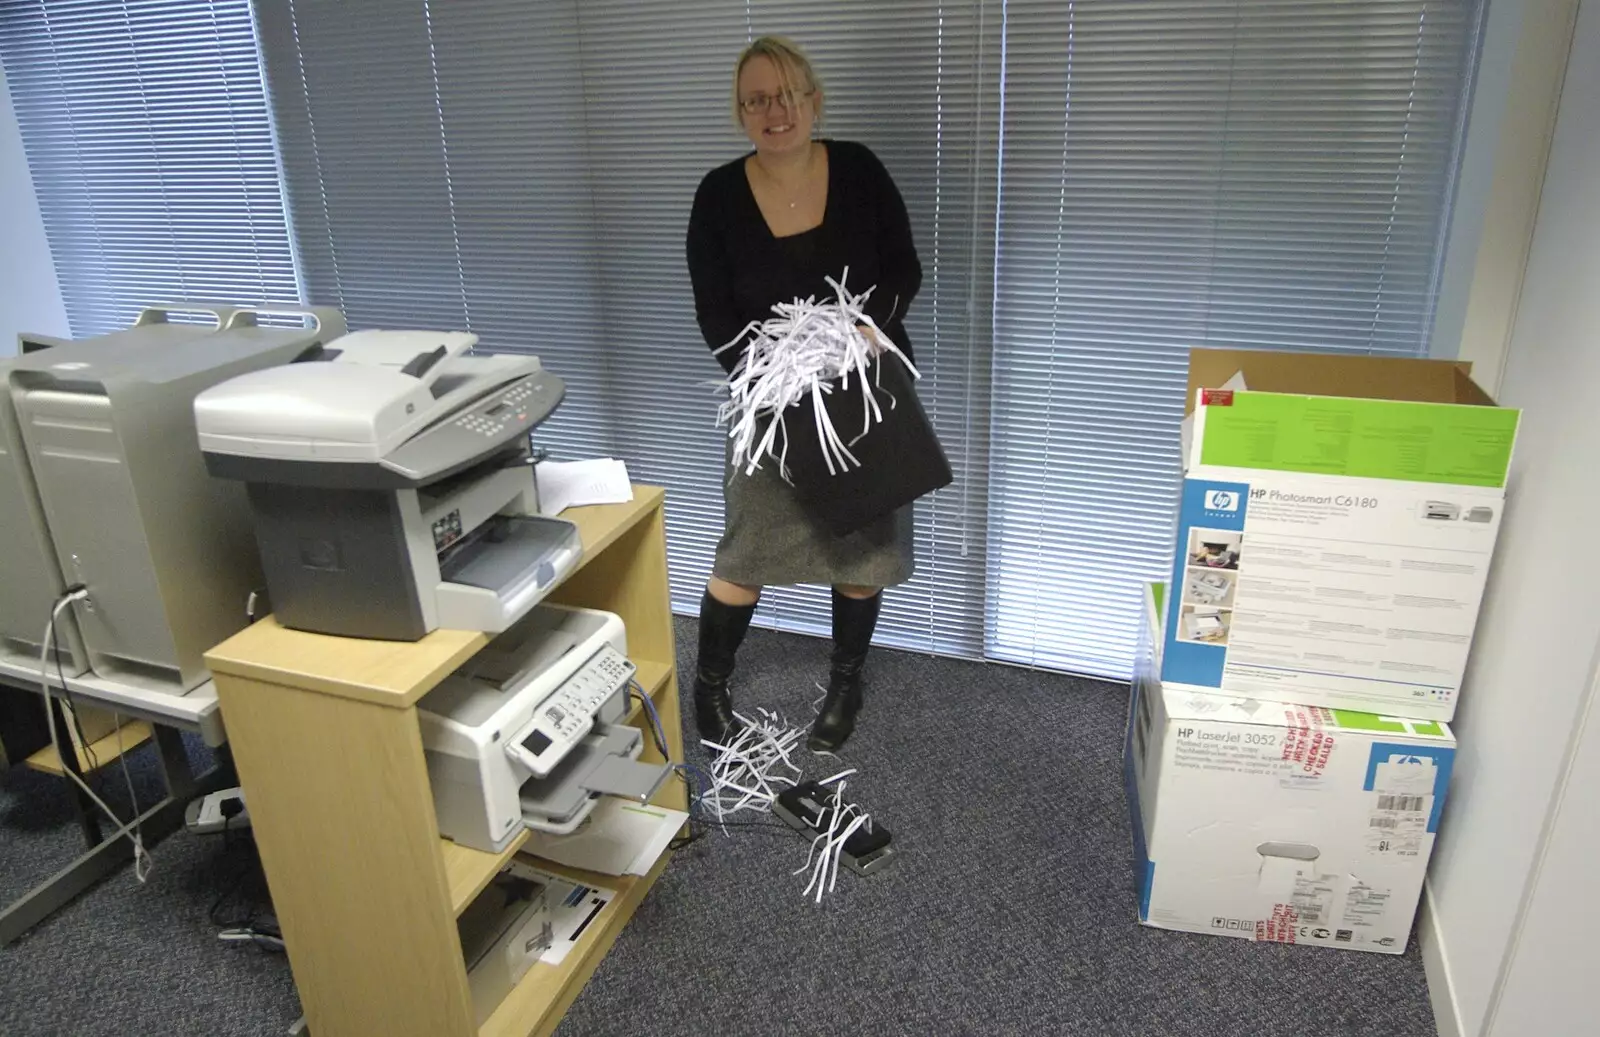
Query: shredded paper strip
(801, 353)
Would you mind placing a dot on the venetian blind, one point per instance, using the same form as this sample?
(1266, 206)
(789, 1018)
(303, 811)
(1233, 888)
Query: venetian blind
(526, 171)
(147, 133)
(1188, 173)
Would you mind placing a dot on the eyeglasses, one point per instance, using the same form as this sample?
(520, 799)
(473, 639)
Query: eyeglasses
(760, 104)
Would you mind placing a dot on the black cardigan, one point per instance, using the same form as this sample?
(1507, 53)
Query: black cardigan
(739, 270)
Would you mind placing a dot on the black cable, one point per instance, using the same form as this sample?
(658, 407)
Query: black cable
(256, 905)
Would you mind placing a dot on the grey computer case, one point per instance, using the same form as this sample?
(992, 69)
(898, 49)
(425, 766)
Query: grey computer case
(166, 552)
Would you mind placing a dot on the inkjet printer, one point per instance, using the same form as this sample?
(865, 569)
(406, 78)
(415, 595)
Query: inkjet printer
(530, 732)
(392, 484)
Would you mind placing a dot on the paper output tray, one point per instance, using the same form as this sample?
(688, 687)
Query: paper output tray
(599, 764)
(496, 579)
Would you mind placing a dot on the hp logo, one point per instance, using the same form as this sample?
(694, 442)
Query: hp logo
(1222, 500)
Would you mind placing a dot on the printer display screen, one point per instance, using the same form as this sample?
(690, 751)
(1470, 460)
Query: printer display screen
(536, 743)
(496, 409)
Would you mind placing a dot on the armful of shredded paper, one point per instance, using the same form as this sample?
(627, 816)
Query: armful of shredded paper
(800, 353)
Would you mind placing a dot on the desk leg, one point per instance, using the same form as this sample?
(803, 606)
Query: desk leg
(82, 805)
(175, 767)
(107, 856)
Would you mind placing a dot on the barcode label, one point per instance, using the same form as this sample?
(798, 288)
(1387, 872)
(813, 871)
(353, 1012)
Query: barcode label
(1401, 802)
(1384, 822)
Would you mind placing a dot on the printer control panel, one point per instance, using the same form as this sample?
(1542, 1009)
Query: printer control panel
(500, 417)
(567, 714)
(490, 417)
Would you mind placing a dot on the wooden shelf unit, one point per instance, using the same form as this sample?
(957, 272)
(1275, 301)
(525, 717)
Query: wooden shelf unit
(325, 736)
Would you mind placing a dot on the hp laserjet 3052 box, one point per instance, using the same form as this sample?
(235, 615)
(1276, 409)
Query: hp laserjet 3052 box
(1277, 822)
(1337, 520)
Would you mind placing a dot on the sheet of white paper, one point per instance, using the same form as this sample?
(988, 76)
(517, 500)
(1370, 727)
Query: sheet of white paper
(619, 838)
(573, 910)
(571, 484)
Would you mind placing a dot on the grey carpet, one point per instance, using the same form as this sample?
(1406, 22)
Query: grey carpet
(1009, 910)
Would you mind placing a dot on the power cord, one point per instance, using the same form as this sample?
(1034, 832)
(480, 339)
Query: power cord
(250, 926)
(72, 706)
(130, 829)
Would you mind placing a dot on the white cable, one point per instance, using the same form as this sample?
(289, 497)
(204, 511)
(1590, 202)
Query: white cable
(798, 355)
(141, 856)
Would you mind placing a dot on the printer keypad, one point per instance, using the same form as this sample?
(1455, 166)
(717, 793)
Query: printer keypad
(513, 398)
(481, 425)
(584, 691)
(569, 711)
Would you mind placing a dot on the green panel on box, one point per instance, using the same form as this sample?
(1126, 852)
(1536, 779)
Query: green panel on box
(1351, 720)
(1159, 591)
(1450, 443)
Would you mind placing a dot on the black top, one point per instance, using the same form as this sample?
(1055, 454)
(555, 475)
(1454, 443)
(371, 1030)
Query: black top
(739, 269)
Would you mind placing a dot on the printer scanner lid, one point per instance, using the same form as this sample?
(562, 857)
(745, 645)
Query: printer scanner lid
(364, 398)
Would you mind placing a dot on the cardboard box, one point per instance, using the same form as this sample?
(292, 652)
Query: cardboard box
(1336, 525)
(1277, 822)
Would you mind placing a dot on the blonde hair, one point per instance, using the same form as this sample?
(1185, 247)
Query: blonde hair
(791, 62)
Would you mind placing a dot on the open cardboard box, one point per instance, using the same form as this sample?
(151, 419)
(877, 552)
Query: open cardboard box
(1353, 502)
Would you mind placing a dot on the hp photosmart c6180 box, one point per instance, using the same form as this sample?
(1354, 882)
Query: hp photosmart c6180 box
(1278, 822)
(1337, 520)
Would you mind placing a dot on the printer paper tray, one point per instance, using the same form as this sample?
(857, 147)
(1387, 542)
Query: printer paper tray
(559, 802)
(494, 581)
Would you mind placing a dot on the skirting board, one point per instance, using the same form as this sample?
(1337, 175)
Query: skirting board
(1436, 966)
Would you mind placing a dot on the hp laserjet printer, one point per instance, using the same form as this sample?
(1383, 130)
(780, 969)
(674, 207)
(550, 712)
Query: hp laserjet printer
(392, 484)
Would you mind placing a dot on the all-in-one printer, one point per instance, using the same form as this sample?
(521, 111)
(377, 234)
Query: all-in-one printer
(392, 484)
(530, 732)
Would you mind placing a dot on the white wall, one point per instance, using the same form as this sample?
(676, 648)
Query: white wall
(30, 299)
(1553, 960)
(1511, 117)
(1534, 655)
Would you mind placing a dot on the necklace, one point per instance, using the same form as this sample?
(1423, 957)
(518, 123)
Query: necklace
(776, 183)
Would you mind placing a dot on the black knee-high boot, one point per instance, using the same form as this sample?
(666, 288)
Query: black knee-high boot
(722, 630)
(854, 620)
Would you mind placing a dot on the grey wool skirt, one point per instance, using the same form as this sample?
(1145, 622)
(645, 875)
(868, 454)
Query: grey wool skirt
(767, 540)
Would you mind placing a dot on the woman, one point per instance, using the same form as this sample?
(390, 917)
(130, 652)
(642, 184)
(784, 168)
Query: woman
(768, 227)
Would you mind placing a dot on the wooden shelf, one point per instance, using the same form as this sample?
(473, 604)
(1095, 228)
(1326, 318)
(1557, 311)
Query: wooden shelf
(325, 735)
(537, 1003)
(468, 871)
(652, 675)
(133, 735)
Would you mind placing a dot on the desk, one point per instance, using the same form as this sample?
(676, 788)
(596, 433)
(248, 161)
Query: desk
(325, 736)
(167, 713)
(196, 710)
